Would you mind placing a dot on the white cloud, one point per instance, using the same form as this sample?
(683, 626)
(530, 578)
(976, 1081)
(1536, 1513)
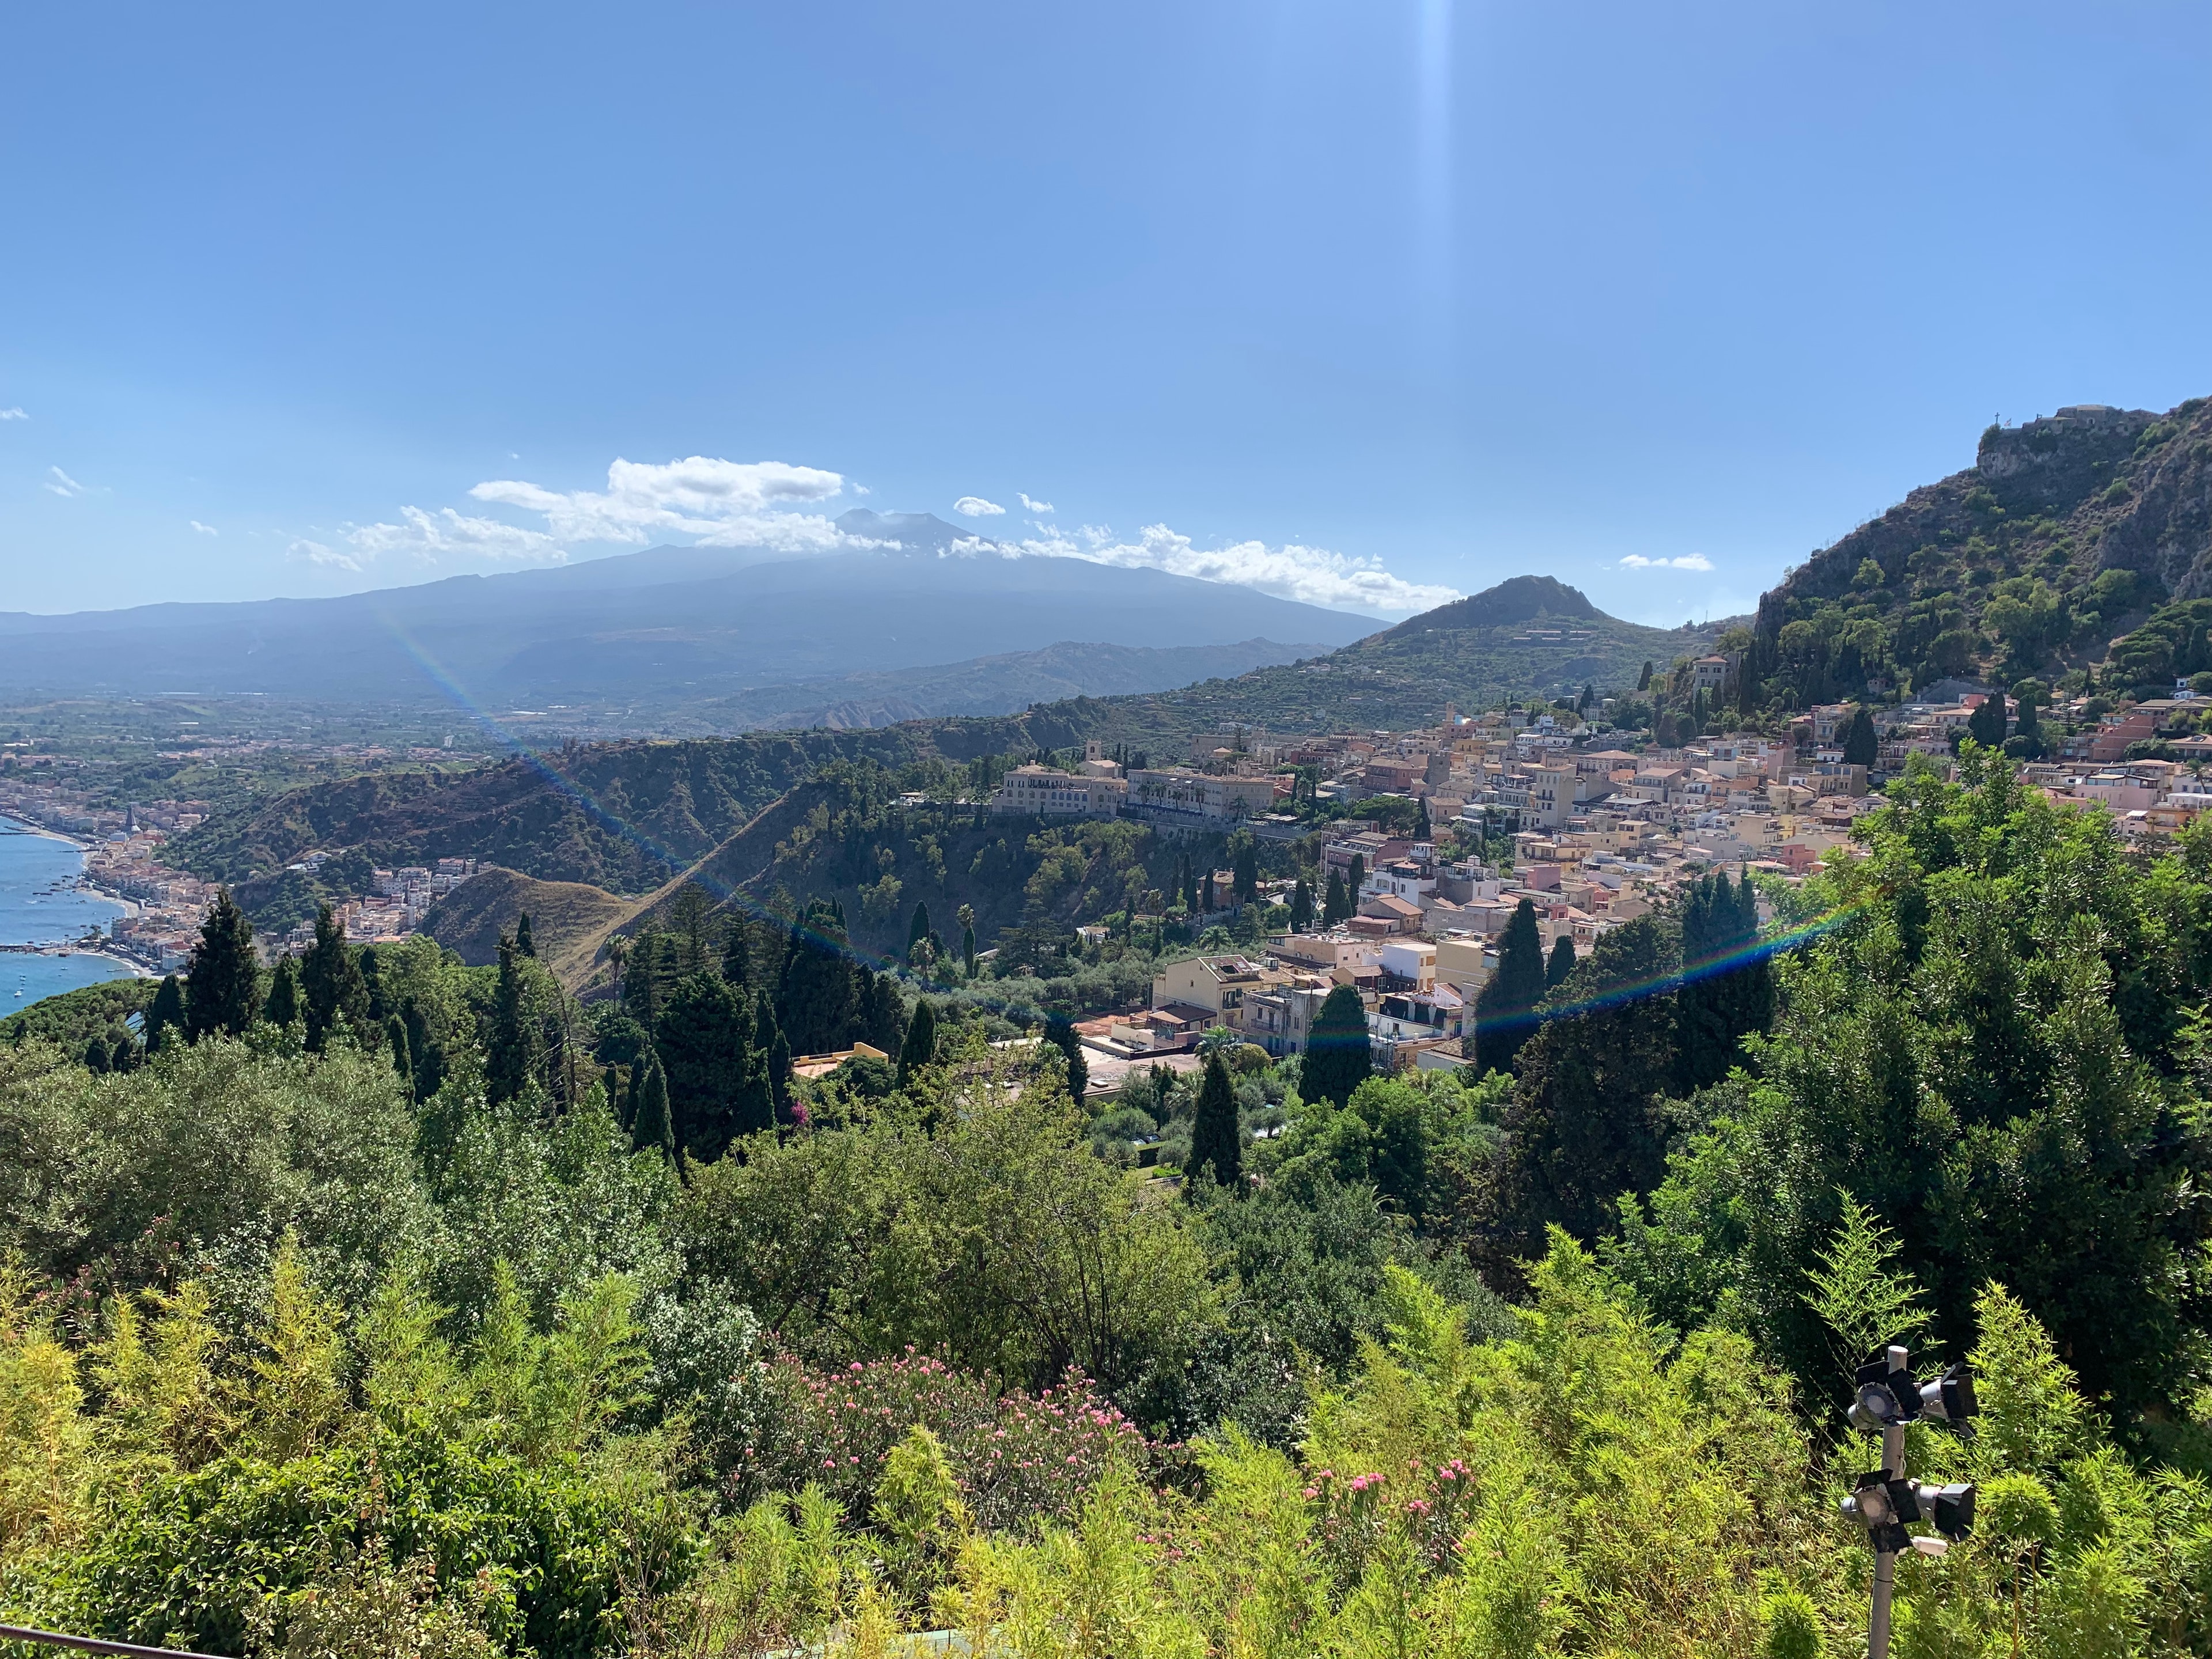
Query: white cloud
(445, 533)
(62, 485)
(976, 507)
(329, 557)
(1034, 505)
(204, 529)
(722, 504)
(15, 414)
(1311, 575)
(1687, 562)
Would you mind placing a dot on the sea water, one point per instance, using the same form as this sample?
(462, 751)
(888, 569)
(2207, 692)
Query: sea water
(40, 903)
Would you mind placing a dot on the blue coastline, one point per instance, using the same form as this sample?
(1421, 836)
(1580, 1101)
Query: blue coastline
(40, 904)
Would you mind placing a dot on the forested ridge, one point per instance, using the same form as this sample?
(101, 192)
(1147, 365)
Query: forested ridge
(386, 1304)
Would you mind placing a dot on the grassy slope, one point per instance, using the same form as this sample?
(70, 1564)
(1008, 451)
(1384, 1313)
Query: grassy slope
(562, 916)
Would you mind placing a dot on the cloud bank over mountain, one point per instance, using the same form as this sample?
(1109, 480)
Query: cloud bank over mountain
(766, 505)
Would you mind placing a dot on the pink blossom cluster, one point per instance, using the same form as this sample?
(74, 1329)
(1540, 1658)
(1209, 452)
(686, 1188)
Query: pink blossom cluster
(1018, 1458)
(1429, 1503)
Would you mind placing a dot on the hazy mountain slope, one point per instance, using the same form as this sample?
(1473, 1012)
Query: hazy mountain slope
(986, 685)
(672, 625)
(2063, 533)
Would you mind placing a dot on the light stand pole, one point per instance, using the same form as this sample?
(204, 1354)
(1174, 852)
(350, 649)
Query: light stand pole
(1884, 1501)
(1885, 1561)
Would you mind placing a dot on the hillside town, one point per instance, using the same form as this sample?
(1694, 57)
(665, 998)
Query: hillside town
(1598, 835)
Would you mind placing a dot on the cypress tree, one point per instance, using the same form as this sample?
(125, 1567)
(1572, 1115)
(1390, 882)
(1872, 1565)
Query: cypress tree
(1333, 908)
(429, 1053)
(1422, 829)
(920, 1045)
(611, 1087)
(403, 1061)
(1302, 912)
(523, 943)
(123, 1053)
(1505, 1009)
(817, 1000)
(775, 1050)
(332, 989)
(1216, 1144)
(1859, 746)
(1561, 964)
(879, 1012)
(1727, 990)
(508, 1056)
(1585, 1121)
(1986, 725)
(1338, 1058)
(737, 955)
(705, 1050)
(223, 989)
(649, 1128)
(1247, 874)
(1061, 1033)
(167, 1015)
(95, 1056)
(1643, 680)
(282, 1008)
(917, 929)
(1353, 880)
(968, 938)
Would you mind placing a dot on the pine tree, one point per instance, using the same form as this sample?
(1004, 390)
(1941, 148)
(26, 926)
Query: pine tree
(1505, 1009)
(704, 1046)
(166, 1015)
(223, 987)
(737, 955)
(1561, 964)
(1338, 1058)
(920, 1045)
(1061, 1033)
(331, 990)
(95, 1056)
(510, 1056)
(1216, 1143)
(640, 980)
(283, 1008)
(649, 1128)
(1859, 744)
(395, 1037)
(523, 943)
(1302, 910)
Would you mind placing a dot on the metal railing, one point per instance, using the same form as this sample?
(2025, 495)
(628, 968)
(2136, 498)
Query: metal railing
(93, 1643)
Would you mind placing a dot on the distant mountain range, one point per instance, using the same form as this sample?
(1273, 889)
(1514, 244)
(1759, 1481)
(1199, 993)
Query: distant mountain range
(672, 629)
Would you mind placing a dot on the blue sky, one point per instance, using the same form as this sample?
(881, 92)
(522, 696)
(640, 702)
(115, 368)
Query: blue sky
(1367, 301)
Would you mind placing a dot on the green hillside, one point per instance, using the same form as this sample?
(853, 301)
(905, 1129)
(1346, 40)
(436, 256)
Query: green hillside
(2063, 534)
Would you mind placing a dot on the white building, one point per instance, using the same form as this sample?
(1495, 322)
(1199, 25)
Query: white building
(1198, 797)
(1040, 792)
